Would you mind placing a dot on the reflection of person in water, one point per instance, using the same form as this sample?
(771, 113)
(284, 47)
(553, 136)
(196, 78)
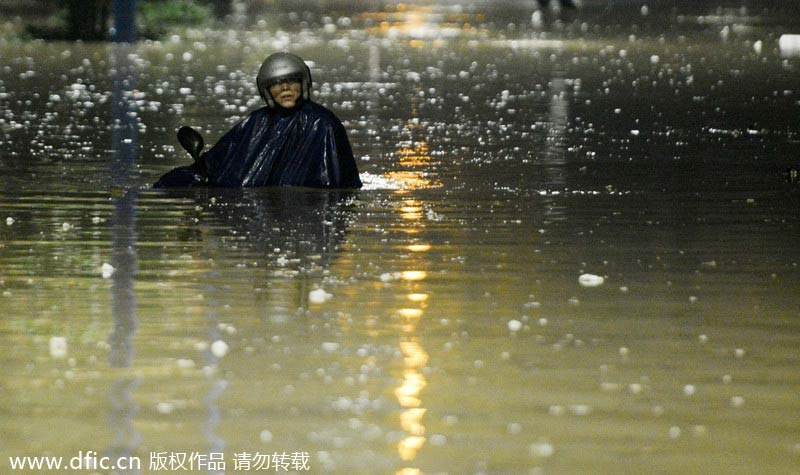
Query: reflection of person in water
(289, 227)
(293, 141)
(563, 3)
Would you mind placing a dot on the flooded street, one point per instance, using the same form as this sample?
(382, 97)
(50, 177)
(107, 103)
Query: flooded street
(575, 250)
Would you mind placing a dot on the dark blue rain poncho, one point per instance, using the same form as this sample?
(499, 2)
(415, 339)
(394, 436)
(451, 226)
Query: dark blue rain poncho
(303, 146)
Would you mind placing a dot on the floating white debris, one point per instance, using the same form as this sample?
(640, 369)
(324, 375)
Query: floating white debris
(789, 45)
(438, 440)
(580, 409)
(185, 363)
(674, 432)
(739, 352)
(514, 325)
(265, 436)
(66, 226)
(107, 270)
(319, 296)
(219, 348)
(330, 346)
(689, 389)
(165, 407)
(542, 449)
(758, 46)
(737, 401)
(590, 280)
(9, 221)
(537, 19)
(58, 347)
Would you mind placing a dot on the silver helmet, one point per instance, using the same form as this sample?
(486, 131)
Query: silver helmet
(281, 66)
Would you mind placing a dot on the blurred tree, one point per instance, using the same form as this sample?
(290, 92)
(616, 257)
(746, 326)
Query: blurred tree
(91, 20)
(221, 8)
(88, 19)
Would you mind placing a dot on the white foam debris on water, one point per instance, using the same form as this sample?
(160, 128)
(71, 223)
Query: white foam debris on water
(542, 449)
(58, 347)
(66, 226)
(590, 280)
(737, 401)
(390, 276)
(689, 389)
(370, 181)
(319, 296)
(201, 346)
(165, 407)
(265, 436)
(219, 348)
(758, 46)
(330, 346)
(514, 325)
(227, 328)
(107, 270)
(537, 19)
(580, 409)
(674, 432)
(9, 221)
(184, 363)
(789, 45)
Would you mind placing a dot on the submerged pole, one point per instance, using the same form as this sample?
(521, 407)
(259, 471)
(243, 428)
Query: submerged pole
(124, 21)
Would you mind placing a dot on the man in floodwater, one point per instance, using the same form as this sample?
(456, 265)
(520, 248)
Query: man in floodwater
(293, 141)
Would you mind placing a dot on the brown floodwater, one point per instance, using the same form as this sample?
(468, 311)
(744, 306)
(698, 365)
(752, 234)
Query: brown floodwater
(575, 252)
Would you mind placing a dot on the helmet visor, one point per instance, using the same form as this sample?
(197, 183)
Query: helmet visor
(295, 77)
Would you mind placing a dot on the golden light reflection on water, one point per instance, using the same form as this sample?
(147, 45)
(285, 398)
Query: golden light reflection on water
(413, 275)
(415, 172)
(414, 161)
(418, 247)
(423, 26)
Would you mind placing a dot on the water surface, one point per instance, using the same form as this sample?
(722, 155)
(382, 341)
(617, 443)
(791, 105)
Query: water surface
(432, 322)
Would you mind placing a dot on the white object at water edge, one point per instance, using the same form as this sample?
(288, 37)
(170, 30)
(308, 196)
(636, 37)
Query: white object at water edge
(789, 45)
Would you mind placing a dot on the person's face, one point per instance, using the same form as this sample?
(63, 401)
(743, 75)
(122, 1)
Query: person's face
(286, 93)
